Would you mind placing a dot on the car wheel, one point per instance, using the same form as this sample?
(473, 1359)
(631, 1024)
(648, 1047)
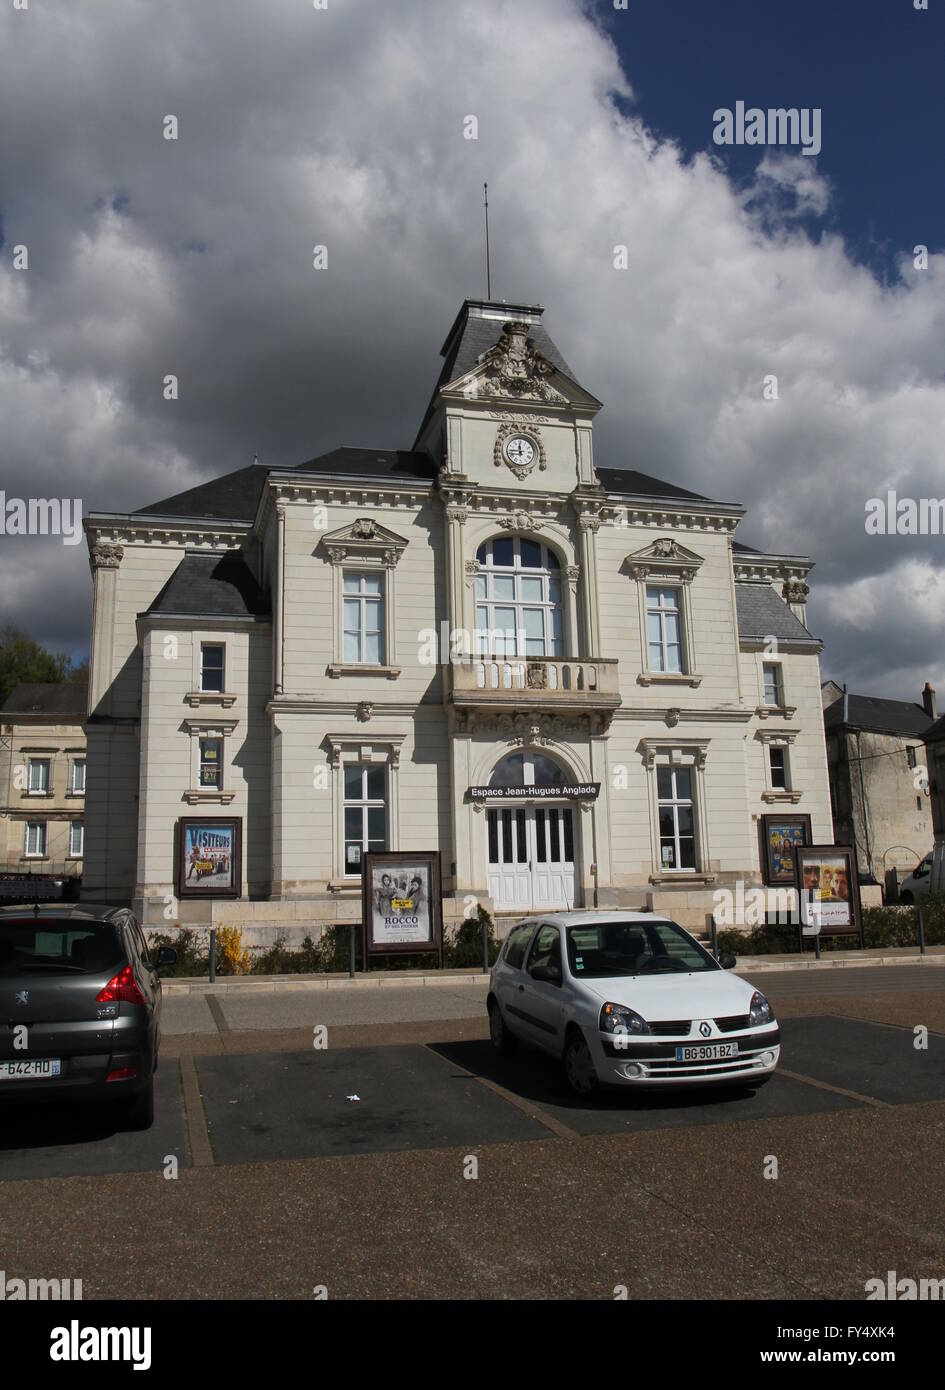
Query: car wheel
(503, 1041)
(579, 1065)
(139, 1112)
(906, 898)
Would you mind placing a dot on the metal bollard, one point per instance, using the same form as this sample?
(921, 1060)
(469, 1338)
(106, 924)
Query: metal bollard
(351, 958)
(715, 938)
(213, 955)
(919, 923)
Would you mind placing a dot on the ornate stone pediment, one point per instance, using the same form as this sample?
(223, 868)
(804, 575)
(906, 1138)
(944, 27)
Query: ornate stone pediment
(666, 559)
(515, 368)
(364, 539)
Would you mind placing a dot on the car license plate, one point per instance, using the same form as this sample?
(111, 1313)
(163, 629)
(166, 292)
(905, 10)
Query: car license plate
(23, 1071)
(707, 1052)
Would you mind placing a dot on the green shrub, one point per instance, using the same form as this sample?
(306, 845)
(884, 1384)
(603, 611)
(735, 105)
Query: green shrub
(280, 959)
(464, 947)
(192, 959)
(883, 929)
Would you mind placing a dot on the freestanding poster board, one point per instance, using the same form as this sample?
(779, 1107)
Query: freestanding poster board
(828, 891)
(401, 903)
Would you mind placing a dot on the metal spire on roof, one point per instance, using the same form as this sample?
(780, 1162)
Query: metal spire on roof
(485, 189)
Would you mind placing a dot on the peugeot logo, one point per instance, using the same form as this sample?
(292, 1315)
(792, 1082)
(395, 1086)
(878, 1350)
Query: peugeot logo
(22, 996)
(705, 1029)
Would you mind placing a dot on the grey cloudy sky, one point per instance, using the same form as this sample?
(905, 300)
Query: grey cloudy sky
(345, 126)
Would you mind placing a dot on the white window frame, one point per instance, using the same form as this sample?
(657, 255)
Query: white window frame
(693, 754)
(369, 603)
(485, 576)
(43, 827)
(364, 547)
(778, 668)
(203, 689)
(365, 804)
(665, 564)
(219, 727)
(662, 610)
(345, 750)
(674, 803)
(783, 738)
(43, 790)
(73, 826)
(76, 764)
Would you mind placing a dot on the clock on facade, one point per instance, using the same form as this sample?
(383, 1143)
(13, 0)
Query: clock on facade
(519, 450)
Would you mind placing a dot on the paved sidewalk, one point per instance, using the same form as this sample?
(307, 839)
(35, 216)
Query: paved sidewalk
(473, 978)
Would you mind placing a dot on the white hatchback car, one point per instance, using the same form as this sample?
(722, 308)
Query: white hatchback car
(629, 999)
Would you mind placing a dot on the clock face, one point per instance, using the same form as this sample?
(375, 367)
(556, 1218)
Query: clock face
(520, 450)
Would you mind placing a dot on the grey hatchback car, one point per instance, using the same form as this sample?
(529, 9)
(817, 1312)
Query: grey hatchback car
(80, 1008)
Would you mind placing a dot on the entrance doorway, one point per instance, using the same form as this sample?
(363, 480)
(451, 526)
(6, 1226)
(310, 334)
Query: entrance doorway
(531, 848)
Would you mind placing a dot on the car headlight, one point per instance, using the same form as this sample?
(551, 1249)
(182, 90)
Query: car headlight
(759, 1011)
(617, 1018)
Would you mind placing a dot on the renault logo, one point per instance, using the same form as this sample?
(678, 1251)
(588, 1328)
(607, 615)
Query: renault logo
(705, 1029)
(22, 996)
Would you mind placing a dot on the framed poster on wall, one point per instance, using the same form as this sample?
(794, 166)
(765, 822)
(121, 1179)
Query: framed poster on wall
(780, 835)
(829, 891)
(209, 856)
(401, 904)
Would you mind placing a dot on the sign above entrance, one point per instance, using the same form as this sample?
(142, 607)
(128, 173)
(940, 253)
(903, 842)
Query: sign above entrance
(541, 791)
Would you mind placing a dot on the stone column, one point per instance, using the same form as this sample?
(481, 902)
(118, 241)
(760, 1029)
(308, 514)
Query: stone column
(104, 560)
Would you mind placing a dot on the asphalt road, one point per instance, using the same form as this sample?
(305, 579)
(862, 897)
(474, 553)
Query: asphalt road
(458, 1174)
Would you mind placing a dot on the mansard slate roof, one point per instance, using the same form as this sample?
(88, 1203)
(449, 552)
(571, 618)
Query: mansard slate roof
(904, 717)
(212, 586)
(65, 699)
(762, 614)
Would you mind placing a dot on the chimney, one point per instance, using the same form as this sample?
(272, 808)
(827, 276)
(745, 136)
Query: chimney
(928, 701)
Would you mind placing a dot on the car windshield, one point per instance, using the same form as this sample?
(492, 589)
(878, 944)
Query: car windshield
(47, 946)
(599, 949)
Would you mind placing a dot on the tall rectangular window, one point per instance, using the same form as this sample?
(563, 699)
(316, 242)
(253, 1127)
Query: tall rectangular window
(363, 618)
(777, 760)
(76, 839)
(676, 818)
(38, 776)
(78, 775)
(365, 812)
(211, 758)
(773, 689)
(35, 839)
(212, 656)
(664, 629)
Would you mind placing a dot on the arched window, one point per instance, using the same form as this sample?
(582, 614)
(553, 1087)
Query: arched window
(526, 770)
(518, 599)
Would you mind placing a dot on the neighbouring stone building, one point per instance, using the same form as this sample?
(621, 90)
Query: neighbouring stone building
(876, 757)
(42, 776)
(567, 677)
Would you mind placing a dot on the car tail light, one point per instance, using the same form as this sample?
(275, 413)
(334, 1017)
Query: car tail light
(122, 1074)
(122, 988)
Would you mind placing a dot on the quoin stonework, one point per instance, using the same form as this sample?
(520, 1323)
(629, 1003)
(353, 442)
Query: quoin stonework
(631, 689)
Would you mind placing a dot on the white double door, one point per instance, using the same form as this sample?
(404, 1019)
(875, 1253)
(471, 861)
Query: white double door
(531, 853)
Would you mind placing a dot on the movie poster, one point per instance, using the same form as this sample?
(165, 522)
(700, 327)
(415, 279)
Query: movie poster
(401, 900)
(829, 890)
(210, 857)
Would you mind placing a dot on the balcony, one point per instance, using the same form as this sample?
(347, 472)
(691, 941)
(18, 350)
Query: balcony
(551, 683)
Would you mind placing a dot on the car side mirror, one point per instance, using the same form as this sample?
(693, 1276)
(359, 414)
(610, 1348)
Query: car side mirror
(166, 956)
(727, 960)
(548, 974)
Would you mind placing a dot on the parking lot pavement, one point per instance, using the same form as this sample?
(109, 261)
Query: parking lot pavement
(298, 1105)
(40, 1141)
(263, 1104)
(309, 1008)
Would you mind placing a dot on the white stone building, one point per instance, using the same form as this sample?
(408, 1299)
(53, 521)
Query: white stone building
(368, 640)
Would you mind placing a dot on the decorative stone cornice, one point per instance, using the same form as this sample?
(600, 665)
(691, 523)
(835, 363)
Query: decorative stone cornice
(519, 521)
(665, 558)
(795, 591)
(653, 748)
(365, 539)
